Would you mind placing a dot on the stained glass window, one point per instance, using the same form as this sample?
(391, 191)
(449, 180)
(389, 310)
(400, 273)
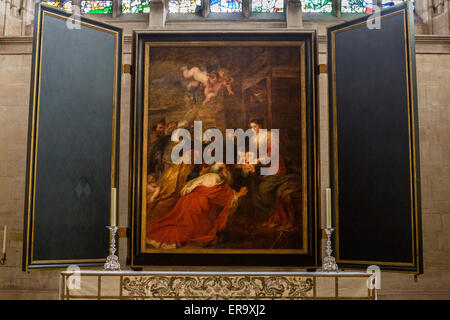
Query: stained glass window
(267, 6)
(96, 6)
(365, 6)
(184, 6)
(390, 3)
(135, 6)
(226, 5)
(317, 6)
(64, 5)
(354, 6)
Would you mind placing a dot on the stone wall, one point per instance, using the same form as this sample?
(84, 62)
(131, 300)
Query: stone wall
(440, 16)
(433, 72)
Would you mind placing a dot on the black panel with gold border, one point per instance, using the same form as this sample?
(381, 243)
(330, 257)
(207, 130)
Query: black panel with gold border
(73, 140)
(374, 149)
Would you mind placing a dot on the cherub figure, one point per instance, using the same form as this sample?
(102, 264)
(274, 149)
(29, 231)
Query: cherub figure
(211, 82)
(153, 189)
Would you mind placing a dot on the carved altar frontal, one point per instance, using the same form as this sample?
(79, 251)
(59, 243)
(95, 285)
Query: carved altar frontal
(208, 285)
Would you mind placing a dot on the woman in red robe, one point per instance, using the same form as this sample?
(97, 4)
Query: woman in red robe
(267, 190)
(198, 215)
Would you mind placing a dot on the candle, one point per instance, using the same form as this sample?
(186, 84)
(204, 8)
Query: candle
(113, 206)
(328, 198)
(4, 239)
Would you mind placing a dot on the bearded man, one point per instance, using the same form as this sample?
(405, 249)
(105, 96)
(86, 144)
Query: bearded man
(202, 210)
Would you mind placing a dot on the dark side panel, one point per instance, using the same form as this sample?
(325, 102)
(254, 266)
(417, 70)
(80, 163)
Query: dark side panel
(374, 148)
(73, 139)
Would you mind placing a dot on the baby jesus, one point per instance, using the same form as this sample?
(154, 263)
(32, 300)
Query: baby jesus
(211, 82)
(249, 165)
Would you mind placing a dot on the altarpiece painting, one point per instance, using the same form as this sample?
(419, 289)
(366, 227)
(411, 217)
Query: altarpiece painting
(225, 206)
(223, 86)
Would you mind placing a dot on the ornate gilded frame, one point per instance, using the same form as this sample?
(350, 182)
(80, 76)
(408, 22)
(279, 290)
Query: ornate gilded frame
(142, 43)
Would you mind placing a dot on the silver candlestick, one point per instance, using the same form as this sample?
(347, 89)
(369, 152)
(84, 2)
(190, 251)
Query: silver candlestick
(112, 261)
(329, 262)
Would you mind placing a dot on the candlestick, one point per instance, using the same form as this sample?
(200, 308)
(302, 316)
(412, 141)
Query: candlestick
(112, 261)
(4, 239)
(113, 206)
(328, 200)
(329, 262)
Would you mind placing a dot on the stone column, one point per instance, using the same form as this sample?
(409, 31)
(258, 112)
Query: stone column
(294, 14)
(2, 16)
(157, 16)
(206, 9)
(440, 17)
(12, 25)
(246, 8)
(337, 8)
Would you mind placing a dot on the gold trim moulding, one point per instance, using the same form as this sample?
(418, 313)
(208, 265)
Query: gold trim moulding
(122, 233)
(67, 261)
(83, 23)
(95, 297)
(227, 251)
(239, 44)
(225, 44)
(133, 175)
(227, 32)
(322, 68)
(388, 263)
(171, 268)
(230, 274)
(128, 69)
(50, 267)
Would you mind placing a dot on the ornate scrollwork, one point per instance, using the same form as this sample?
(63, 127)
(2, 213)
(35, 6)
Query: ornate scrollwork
(217, 287)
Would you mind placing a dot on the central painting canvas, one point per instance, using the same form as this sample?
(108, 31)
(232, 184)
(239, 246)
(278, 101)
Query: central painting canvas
(224, 149)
